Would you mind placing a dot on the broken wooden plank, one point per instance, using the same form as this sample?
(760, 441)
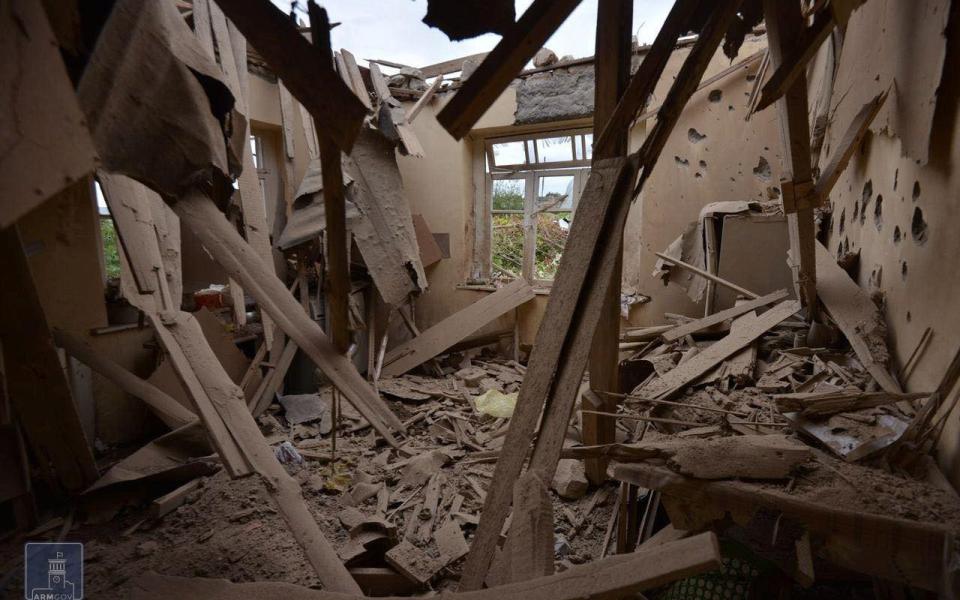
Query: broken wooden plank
(443, 68)
(686, 329)
(385, 235)
(430, 251)
(424, 99)
(638, 90)
(559, 357)
(336, 238)
(130, 205)
(672, 382)
(413, 563)
(455, 328)
(227, 247)
(173, 500)
(272, 383)
(858, 318)
(828, 403)
(709, 81)
(741, 366)
(183, 332)
(36, 384)
(795, 63)
(784, 28)
(612, 577)
(47, 146)
(310, 79)
(353, 71)
(380, 88)
(232, 50)
(612, 75)
(608, 182)
(502, 64)
(846, 148)
(171, 412)
(450, 541)
(746, 456)
(908, 551)
(707, 275)
(528, 551)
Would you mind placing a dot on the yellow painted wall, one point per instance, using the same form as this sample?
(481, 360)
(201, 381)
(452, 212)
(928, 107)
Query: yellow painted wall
(680, 185)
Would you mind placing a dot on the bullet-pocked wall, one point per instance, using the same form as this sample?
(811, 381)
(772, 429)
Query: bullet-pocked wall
(713, 155)
(898, 202)
(695, 169)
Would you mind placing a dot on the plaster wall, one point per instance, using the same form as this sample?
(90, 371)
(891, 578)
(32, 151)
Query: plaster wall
(713, 155)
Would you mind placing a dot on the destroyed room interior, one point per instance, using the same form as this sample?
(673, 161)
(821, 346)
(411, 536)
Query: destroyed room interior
(666, 319)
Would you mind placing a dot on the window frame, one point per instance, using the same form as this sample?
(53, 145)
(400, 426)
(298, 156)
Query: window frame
(577, 137)
(531, 179)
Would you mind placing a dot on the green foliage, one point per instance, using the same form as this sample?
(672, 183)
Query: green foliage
(111, 249)
(508, 194)
(551, 238)
(507, 245)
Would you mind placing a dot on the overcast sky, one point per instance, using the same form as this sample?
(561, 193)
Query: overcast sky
(393, 30)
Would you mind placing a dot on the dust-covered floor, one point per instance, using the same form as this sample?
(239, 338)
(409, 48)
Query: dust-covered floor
(231, 529)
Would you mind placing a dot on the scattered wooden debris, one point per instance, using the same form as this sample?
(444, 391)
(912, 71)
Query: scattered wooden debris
(48, 145)
(454, 328)
(413, 563)
(827, 403)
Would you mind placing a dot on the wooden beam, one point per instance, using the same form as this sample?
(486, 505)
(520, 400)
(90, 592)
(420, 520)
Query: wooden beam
(559, 356)
(502, 65)
(232, 50)
(424, 99)
(36, 384)
(353, 71)
(183, 331)
(445, 67)
(685, 85)
(611, 77)
(845, 149)
(229, 449)
(903, 550)
(528, 552)
(606, 179)
(312, 81)
(675, 380)
(734, 68)
(612, 577)
(199, 213)
(47, 146)
(274, 380)
(795, 63)
(171, 412)
(857, 317)
(784, 28)
(455, 328)
(334, 203)
(716, 318)
(707, 275)
(639, 89)
(828, 403)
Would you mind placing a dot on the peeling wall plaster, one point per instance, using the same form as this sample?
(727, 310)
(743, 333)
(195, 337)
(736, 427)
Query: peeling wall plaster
(898, 202)
(713, 155)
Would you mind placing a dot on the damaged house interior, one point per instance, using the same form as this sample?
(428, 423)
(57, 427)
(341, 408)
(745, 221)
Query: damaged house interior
(281, 319)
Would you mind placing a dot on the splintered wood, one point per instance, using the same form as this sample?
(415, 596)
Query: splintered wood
(46, 144)
(614, 576)
(454, 328)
